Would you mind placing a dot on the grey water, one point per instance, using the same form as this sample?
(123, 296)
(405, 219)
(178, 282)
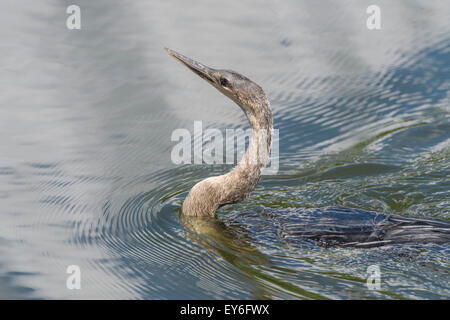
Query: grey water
(86, 118)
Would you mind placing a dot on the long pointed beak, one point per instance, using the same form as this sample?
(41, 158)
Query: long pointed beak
(200, 69)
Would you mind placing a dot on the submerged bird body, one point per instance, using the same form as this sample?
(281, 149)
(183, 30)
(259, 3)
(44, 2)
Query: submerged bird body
(336, 225)
(350, 227)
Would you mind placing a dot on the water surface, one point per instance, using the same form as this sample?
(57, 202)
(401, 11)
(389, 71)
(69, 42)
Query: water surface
(86, 119)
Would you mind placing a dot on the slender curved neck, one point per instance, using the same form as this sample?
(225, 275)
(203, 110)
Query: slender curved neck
(209, 194)
(248, 171)
(250, 167)
(238, 183)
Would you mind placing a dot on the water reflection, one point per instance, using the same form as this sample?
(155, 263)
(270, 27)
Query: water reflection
(85, 125)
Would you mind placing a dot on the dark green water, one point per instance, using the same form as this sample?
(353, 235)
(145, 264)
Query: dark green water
(86, 119)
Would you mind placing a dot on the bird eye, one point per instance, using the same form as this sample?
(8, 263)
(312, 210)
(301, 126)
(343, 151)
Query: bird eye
(224, 82)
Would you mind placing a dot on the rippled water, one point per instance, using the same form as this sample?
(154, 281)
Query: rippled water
(86, 119)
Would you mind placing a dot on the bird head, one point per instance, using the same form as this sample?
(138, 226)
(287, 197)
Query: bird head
(243, 91)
